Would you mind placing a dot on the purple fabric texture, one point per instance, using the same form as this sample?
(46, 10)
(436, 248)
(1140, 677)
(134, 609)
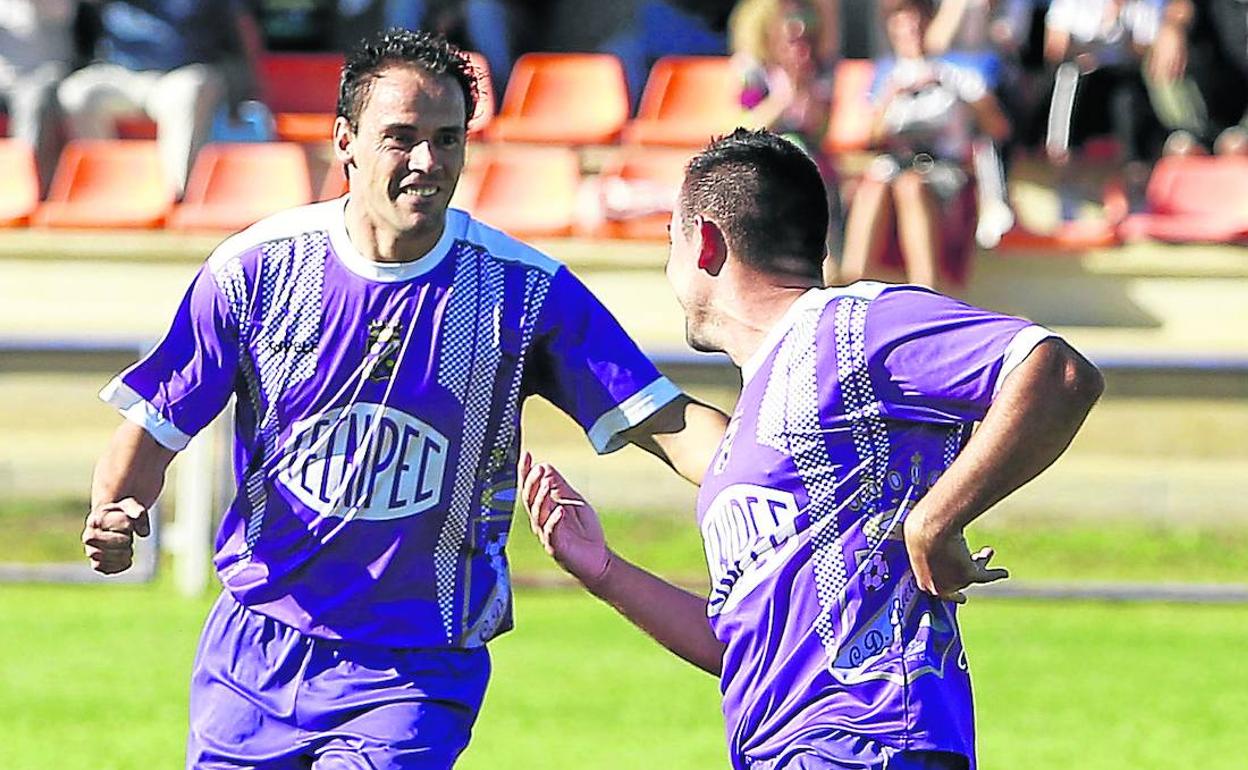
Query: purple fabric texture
(852, 408)
(378, 416)
(265, 697)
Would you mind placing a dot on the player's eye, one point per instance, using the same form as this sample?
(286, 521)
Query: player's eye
(398, 141)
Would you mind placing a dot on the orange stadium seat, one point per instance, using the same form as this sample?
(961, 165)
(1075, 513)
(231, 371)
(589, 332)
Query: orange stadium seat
(651, 178)
(233, 185)
(107, 183)
(1194, 200)
(485, 95)
(563, 98)
(528, 192)
(849, 128)
(687, 101)
(19, 184)
(302, 91)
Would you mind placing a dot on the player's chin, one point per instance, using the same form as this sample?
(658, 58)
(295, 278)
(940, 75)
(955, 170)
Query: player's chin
(422, 216)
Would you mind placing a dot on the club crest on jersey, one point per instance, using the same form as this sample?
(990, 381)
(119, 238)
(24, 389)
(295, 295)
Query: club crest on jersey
(365, 461)
(383, 345)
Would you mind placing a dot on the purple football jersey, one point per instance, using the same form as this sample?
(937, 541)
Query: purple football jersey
(852, 407)
(378, 414)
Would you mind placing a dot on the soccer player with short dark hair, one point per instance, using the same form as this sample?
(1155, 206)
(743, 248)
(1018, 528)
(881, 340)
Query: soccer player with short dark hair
(379, 348)
(832, 514)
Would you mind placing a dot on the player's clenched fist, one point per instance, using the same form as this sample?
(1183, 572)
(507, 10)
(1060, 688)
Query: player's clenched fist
(567, 526)
(108, 537)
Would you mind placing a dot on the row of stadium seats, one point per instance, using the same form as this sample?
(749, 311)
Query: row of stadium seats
(529, 191)
(563, 98)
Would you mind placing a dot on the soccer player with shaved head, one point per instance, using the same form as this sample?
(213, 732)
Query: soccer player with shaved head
(833, 512)
(378, 348)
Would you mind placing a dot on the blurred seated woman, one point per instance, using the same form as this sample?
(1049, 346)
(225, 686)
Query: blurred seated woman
(786, 53)
(916, 204)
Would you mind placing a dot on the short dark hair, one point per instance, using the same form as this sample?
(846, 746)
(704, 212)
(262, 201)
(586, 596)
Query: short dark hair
(402, 47)
(767, 197)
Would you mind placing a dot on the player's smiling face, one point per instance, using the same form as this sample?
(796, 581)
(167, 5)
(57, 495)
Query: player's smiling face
(407, 153)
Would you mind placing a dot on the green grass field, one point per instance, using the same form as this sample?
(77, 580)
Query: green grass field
(94, 677)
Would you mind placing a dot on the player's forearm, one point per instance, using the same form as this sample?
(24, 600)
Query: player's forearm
(133, 466)
(672, 616)
(1039, 409)
(684, 434)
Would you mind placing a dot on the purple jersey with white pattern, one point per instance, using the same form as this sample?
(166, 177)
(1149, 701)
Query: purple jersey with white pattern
(853, 406)
(377, 416)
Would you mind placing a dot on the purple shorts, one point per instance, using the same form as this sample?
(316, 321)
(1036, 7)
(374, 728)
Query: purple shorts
(906, 760)
(264, 696)
(832, 749)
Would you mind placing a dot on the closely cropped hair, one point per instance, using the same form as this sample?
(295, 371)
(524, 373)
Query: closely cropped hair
(402, 46)
(767, 197)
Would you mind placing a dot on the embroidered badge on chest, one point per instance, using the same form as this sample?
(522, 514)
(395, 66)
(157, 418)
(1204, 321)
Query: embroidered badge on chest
(383, 348)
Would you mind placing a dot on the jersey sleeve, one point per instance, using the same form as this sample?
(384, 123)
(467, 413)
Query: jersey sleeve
(587, 365)
(187, 379)
(932, 358)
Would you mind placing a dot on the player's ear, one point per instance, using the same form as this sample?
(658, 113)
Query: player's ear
(344, 141)
(712, 248)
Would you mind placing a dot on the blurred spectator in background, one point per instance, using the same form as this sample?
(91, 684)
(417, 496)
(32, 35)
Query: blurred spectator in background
(987, 36)
(1197, 74)
(786, 52)
(1097, 47)
(642, 31)
(36, 49)
(918, 196)
(172, 60)
(497, 29)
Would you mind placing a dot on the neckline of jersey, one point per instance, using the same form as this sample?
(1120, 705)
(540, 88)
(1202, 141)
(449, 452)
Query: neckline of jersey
(391, 272)
(815, 297)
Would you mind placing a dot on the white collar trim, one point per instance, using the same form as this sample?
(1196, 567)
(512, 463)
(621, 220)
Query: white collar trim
(390, 272)
(808, 300)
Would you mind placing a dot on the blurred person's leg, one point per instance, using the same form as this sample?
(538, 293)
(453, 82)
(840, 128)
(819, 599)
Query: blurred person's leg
(182, 103)
(405, 14)
(489, 25)
(1078, 111)
(867, 228)
(95, 96)
(996, 217)
(629, 46)
(1137, 130)
(35, 117)
(917, 218)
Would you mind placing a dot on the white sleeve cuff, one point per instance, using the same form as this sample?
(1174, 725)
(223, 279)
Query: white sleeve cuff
(139, 411)
(1017, 351)
(605, 433)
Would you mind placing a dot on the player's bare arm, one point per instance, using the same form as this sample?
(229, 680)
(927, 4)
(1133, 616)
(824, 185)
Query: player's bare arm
(570, 531)
(684, 434)
(1030, 423)
(127, 481)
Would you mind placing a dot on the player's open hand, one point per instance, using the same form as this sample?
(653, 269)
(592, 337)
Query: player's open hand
(565, 524)
(108, 537)
(944, 565)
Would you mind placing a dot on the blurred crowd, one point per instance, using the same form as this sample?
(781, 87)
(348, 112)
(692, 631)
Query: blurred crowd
(961, 88)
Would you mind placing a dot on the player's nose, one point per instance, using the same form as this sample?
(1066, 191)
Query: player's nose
(422, 157)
